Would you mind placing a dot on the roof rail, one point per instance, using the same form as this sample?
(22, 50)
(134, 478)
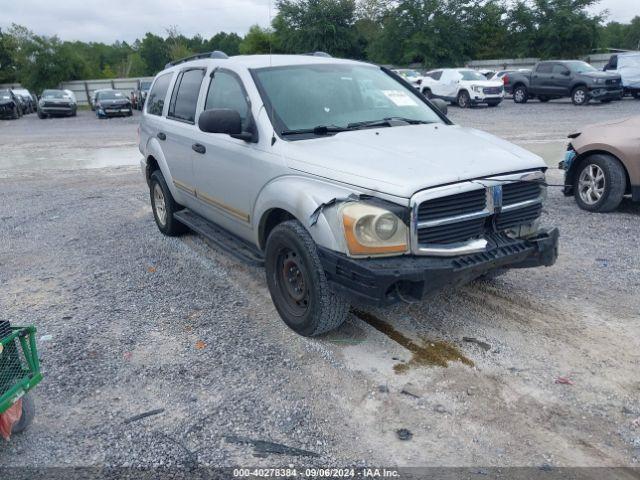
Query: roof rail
(215, 54)
(318, 54)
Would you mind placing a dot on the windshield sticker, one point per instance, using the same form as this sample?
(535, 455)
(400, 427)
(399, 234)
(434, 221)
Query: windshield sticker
(400, 98)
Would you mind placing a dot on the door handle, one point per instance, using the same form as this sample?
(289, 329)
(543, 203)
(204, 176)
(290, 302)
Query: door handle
(198, 148)
(161, 136)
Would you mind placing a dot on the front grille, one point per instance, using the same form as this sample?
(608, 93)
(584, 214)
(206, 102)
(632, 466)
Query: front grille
(452, 232)
(520, 192)
(518, 216)
(492, 90)
(56, 105)
(452, 205)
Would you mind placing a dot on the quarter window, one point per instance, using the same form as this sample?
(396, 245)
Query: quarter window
(225, 91)
(158, 94)
(185, 96)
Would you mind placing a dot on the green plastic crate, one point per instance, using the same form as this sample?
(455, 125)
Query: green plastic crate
(19, 365)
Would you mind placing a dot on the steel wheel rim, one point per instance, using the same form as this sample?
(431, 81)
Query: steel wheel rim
(292, 282)
(579, 96)
(159, 204)
(591, 184)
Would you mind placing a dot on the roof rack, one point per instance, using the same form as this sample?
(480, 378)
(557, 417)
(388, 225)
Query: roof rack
(215, 54)
(318, 54)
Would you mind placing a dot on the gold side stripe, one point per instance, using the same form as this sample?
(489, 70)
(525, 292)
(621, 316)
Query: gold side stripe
(212, 201)
(183, 186)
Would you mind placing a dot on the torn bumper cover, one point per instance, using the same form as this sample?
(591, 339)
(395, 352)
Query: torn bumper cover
(385, 281)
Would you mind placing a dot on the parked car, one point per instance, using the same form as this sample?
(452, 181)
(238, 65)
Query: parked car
(337, 175)
(10, 106)
(602, 164)
(71, 95)
(29, 103)
(567, 78)
(56, 103)
(412, 76)
(463, 87)
(628, 66)
(140, 95)
(112, 103)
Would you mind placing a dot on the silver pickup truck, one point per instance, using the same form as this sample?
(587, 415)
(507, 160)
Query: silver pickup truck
(343, 180)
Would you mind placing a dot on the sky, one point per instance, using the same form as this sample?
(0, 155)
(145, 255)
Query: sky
(111, 20)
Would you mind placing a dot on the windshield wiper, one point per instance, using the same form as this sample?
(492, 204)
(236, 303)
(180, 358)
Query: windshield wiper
(386, 122)
(319, 130)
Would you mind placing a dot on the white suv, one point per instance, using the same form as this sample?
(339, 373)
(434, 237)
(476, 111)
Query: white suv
(463, 87)
(338, 176)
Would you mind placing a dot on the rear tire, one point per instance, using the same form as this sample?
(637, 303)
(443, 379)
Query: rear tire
(28, 412)
(520, 94)
(164, 206)
(427, 93)
(297, 282)
(599, 183)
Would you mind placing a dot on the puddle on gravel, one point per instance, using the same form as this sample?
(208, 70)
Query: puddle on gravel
(425, 352)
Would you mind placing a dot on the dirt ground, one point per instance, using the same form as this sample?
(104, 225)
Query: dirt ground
(535, 368)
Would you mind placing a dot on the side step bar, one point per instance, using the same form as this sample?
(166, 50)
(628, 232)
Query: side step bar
(221, 238)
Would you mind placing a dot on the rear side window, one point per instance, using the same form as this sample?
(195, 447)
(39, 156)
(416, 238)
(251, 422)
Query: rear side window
(436, 75)
(226, 91)
(155, 102)
(185, 95)
(544, 68)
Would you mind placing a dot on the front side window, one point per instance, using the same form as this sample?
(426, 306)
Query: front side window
(345, 96)
(185, 95)
(225, 91)
(155, 102)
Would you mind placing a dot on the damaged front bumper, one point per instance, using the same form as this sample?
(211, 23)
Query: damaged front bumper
(385, 281)
(604, 93)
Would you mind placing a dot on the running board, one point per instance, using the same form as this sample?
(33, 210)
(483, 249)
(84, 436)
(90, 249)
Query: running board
(221, 238)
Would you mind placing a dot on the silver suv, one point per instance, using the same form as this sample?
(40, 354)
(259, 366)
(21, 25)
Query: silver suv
(342, 179)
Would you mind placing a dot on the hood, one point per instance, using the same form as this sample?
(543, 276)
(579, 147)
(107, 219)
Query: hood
(400, 161)
(483, 83)
(5, 101)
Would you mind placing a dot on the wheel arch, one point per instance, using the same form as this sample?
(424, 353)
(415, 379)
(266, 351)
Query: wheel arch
(581, 158)
(300, 198)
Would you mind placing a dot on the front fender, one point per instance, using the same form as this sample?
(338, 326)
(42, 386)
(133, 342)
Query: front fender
(301, 196)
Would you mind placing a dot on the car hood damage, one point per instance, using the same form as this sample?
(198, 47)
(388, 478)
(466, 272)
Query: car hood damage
(400, 161)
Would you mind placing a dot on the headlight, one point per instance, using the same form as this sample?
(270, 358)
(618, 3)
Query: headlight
(371, 230)
(477, 88)
(598, 81)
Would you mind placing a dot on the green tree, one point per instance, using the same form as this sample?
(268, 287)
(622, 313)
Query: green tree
(154, 53)
(257, 40)
(228, 43)
(8, 69)
(316, 25)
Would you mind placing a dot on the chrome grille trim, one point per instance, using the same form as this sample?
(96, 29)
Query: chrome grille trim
(473, 245)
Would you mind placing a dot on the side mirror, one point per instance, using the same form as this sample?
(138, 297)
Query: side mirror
(440, 105)
(220, 120)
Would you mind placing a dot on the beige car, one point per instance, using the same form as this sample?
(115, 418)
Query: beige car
(602, 164)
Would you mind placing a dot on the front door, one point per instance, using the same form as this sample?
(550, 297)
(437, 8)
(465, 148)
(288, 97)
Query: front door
(229, 172)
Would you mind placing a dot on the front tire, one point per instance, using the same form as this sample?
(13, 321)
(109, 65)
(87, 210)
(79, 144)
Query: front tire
(580, 96)
(600, 183)
(427, 93)
(520, 94)
(164, 206)
(297, 282)
(464, 100)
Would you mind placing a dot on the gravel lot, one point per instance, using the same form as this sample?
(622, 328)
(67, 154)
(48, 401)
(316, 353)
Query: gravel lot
(139, 322)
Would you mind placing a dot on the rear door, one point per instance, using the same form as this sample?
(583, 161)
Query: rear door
(541, 79)
(177, 136)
